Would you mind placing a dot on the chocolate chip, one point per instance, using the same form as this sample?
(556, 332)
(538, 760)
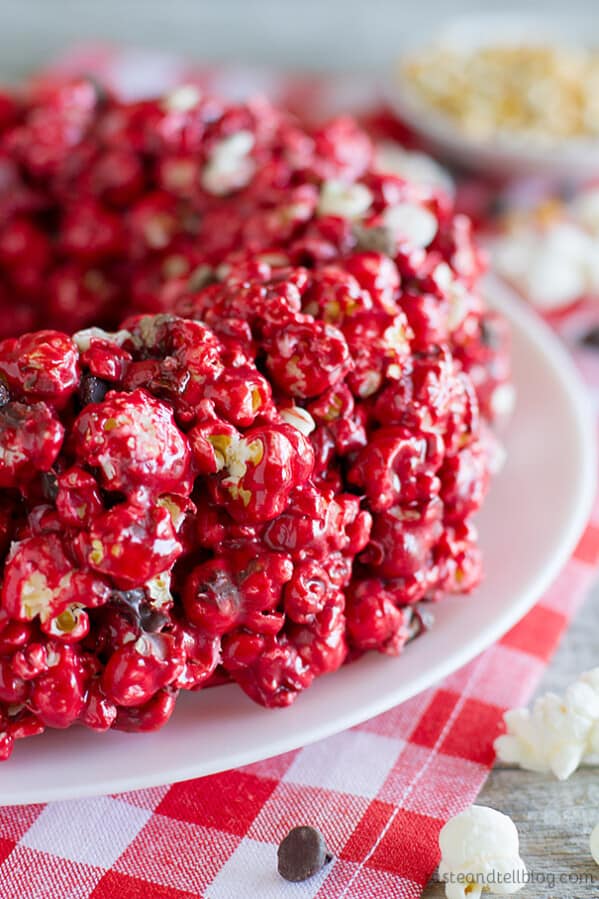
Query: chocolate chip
(375, 240)
(101, 93)
(591, 338)
(92, 389)
(488, 334)
(302, 854)
(152, 622)
(132, 599)
(4, 394)
(140, 610)
(49, 486)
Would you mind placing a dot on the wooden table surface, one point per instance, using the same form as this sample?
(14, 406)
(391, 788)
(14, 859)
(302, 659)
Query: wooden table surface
(554, 819)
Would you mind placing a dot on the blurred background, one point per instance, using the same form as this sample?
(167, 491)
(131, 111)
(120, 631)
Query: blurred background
(295, 34)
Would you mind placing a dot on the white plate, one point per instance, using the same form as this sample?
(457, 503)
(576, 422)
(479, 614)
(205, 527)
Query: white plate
(504, 154)
(530, 524)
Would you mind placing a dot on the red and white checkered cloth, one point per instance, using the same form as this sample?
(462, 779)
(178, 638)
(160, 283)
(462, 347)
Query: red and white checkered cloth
(379, 792)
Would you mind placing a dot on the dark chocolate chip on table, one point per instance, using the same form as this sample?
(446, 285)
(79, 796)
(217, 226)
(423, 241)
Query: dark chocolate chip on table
(302, 854)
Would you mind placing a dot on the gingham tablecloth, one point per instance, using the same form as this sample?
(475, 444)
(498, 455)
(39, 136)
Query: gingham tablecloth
(380, 792)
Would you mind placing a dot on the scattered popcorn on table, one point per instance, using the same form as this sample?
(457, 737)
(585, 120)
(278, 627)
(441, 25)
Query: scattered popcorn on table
(559, 734)
(480, 851)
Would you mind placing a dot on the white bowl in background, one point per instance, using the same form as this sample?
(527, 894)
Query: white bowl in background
(506, 154)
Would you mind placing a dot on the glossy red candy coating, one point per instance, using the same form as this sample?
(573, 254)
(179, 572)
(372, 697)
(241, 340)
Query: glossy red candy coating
(271, 466)
(132, 440)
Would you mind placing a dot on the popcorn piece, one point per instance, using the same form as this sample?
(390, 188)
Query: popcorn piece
(230, 166)
(84, 339)
(480, 851)
(594, 843)
(350, 201)
(183, 98)
(418, 168)
(299, 418)
(503, 401)
(559, 734)
(411, 223)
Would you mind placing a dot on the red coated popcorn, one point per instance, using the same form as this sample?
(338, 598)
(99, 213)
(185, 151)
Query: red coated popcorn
(247, 438)
(42, 366)
(131, 438)
(30, 440)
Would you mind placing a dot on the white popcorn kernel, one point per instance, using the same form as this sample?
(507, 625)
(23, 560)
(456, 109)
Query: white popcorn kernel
(182, 98)
(497, 458)
(503, 401)
(370, 382)
(299, 418)
(348, 201)
(52, 658)
(460, 303)
(443, 275)
(150, 646)
(158, 589)
(594, 843)
(38, 598)
(558, 734)
(175, 510)
(230, 166)
(232, 454)
(12, 456)
(480, 851)
(411, 223)
(67, 621)
(459, 300)
(83, 339)
(417, 168)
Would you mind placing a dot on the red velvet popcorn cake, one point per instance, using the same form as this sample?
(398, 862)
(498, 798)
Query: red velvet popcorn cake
(246, 382)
